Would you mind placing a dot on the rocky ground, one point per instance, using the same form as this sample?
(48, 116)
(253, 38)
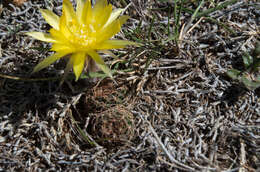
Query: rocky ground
(172, 108)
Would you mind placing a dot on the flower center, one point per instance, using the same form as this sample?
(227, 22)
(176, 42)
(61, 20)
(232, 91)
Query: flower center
(83, 35)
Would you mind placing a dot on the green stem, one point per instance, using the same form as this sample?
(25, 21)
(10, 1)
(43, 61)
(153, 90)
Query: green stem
(208, 11)
(28, 79)
(219, 7)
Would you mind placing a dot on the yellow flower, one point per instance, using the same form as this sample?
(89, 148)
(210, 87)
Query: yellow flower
(81, 34)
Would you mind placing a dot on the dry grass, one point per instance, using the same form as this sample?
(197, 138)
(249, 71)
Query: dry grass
(173, 107)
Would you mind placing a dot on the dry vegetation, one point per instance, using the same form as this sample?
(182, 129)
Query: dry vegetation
(172, 109)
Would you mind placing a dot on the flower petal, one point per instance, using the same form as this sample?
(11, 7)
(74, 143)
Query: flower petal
(101, 64)
(112, 29)
(63, 27)
(50, 18)
(114, 15)
(58, 36)
(123, 19)
(41, 36)
(115, 44)
(68, 10)
(78, 63)
(48, 61)
(86, 13)
(79, 9)
(100, 18)
(99, 6)
(62, 48)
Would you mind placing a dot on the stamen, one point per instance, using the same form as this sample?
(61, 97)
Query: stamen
(82, 35)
